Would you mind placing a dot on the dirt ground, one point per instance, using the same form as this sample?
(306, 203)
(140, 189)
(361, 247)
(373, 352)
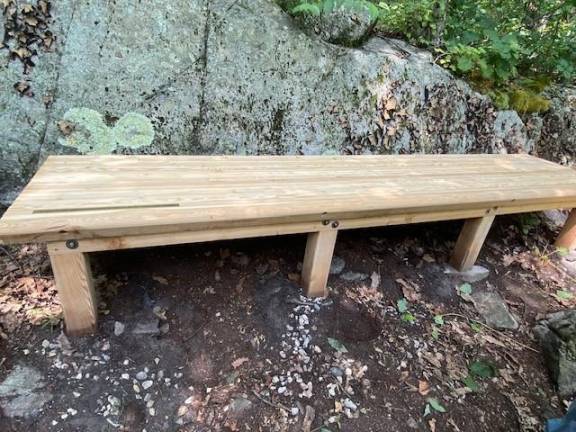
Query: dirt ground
(216, 337)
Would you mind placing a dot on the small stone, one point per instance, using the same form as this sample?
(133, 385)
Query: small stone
(125, 376)
(294, 411)
(281, 390)
(351, 276)
(147, 384)
(141, 376)
(118, 328)
(494, 310)
(337, 265)
(336, 371)
(350, 405)
(150, 327)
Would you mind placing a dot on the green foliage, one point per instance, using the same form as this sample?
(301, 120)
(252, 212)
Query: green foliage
(433, 405)
(528, 222)
(482, 369)
(318, 7)
(508, 49)
(337, 345)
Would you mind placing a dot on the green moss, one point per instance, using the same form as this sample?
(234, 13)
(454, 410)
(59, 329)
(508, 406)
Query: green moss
(525, 101)
(90, 135)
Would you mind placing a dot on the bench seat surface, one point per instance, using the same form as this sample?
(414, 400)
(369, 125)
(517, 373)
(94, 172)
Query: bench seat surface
(105, 196)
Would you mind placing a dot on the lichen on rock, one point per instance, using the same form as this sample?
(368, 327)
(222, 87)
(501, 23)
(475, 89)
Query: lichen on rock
(91, 135)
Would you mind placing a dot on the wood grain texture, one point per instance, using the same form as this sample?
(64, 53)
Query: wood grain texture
(317, 260)
(76, 291)
(567, 237)
(470, 242)
(91, 197)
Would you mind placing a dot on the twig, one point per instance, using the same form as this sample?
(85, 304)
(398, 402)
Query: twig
(9, 255)
(272, 404)
(492, 329)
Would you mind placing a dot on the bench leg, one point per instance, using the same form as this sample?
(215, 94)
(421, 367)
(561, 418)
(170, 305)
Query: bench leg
(567, 237)
(470, 242)
(76, 291)
(317, 260)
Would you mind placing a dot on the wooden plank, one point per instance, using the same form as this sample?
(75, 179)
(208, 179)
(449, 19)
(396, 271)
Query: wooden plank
(470, 242)
(115, 196)
(567, 237)
(76, 291)
(317, 260)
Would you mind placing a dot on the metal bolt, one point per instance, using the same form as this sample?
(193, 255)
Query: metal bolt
(325, 222)
(72, 244)
(335, 224)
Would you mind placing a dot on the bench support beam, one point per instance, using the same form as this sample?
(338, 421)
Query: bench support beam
(567, 237)
(317, 260)
(76, 291)
(470, 242)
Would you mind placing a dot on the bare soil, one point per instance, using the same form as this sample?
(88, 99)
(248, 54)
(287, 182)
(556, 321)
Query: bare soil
(217, 315)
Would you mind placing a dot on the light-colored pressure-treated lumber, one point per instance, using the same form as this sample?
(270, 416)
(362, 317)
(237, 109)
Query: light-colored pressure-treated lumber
(317, 260)
(470, 242)
(567, 237)
(113, 196)
(76, 291)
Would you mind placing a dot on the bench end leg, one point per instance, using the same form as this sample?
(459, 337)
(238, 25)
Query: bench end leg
(470, 242)
(76, 291)
(317, 260)
(567, 237)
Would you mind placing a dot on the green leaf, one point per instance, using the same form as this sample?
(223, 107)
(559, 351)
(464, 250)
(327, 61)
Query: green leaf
(402, 305)
(408, 317)
(306, 8)
(471, 383)
(483, 369)
(465, 289)
(562, 251)
(435, 405)
(564, 295)
(475, 326)
(465, 64)
(337, 345)
(435, 333)
(439, 319)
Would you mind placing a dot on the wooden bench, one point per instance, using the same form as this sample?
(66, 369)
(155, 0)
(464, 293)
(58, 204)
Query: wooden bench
(81, 204)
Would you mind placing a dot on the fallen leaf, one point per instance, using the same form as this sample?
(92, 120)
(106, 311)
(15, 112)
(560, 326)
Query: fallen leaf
(239, 362)
(423, 387)
(66, 127)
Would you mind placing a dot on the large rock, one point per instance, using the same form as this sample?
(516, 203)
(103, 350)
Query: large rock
(230, 77)
(22, 393)
(557, 335)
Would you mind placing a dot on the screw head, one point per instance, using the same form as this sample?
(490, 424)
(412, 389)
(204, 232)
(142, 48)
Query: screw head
(72, 244)
(325, 222)
(335, 224)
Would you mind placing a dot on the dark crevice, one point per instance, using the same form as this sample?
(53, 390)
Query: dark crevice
(198, 123)
(54, 91)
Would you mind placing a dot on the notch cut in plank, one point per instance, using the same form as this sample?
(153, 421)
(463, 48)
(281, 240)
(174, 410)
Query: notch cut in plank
(567, 237)
(76, 292)
(317, 260)
(470, 242)
(101, 208)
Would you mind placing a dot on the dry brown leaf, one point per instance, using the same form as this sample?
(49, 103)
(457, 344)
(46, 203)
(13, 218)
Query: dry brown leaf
(423, 387)
(390, 104)
(239, 362)
(409, 290)
(66, 127)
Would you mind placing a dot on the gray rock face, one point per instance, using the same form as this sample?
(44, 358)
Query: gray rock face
(557, 137)
(557, 335)
(494, 311)
(230, 77)
(22, 393)
(345, 24)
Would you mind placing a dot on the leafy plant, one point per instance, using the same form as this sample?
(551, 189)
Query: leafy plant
(337, 345)
(433, 405)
